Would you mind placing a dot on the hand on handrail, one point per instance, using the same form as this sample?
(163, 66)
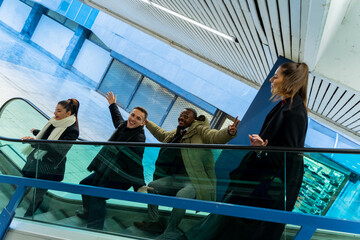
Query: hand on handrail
(144, 189)
(27, 138)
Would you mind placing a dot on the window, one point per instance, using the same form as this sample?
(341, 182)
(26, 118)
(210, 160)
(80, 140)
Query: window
(93, 38)
(228, 121)
(134, 89)
(27, 2)
(155, 98)
(63, 20)
(122, 80)
(170, 122)
(78, 12)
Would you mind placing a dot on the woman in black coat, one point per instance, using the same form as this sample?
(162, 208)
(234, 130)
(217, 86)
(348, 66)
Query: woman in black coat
(47, 161)
(284, 126)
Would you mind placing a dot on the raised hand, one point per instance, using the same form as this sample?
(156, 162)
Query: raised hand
(110, 98)
(256, 140)
(232, 129)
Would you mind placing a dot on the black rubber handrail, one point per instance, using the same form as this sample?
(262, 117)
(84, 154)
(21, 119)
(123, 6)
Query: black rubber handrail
(28, 102)
(32, 105)
(185, 145)
(175, 145)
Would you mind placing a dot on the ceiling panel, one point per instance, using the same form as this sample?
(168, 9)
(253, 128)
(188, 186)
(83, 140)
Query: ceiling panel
(335, 103)
(264, 30)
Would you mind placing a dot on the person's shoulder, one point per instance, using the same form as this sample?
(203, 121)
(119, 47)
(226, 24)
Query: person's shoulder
(71, 133)
(141, 135)
(73, 128)
(297, 112)
(201, 123)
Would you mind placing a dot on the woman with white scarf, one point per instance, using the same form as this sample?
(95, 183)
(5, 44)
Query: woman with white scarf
(47, 161)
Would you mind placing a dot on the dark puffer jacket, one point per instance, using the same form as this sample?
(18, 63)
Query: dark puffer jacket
(118, 163)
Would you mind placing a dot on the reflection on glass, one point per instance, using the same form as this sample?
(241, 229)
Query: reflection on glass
(17, 118)
(321, 183)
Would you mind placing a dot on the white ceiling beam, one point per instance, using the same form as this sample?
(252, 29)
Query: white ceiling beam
(255, 38)
(267, 26)
(295, 15)
(315, 23)
(275, 24)
(285, 26)
(237, 16)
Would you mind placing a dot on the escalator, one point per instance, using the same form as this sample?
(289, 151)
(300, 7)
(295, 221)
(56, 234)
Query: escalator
(17, 117)
(324, 181)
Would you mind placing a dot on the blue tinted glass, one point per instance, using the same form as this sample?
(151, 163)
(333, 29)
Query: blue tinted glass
(91, 19)
(83, 14)
(346, 143)
(73, 10)
(122, 80)
(155, 98)
(347, 203)
(63, 7)
(319, 135)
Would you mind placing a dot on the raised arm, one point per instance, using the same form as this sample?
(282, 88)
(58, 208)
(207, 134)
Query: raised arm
(159, 133)
(114, 111)
(213, 136)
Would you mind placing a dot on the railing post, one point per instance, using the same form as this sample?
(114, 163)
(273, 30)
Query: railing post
(8, 212)
(305, 233)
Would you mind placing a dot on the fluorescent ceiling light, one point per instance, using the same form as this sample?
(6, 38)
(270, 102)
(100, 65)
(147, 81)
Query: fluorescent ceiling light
(191, 21)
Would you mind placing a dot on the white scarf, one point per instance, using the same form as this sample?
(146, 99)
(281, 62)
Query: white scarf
(60, 127)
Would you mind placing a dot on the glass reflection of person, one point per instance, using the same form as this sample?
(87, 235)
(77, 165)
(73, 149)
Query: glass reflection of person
(47, 161)
(185, 172)
(284, 126)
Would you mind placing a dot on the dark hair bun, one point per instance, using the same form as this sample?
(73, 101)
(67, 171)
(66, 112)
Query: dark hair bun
(201, 118)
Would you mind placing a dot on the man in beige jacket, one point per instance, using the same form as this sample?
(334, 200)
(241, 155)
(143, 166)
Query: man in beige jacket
(185, 172)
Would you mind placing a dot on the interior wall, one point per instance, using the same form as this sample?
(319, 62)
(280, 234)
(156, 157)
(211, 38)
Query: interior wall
(52, 36)
(92, 61)
(340, 60)
(14, 14)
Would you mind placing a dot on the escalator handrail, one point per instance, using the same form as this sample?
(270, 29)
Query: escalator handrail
(174, 145)
(3, 107)
(187, 145)
(308, 223)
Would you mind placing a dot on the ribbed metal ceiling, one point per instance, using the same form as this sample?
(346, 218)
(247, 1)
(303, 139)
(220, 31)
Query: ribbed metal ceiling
(264, 29)
(335, 103)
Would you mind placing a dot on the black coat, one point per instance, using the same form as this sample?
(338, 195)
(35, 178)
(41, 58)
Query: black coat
(52, 165)
(284, 126)
(119, 164)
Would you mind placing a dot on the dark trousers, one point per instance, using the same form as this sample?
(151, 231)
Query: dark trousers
(221, 227)
(36, 200)
(96, 206)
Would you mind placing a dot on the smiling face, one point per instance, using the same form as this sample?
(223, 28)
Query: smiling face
(135, 119)
(61, 113)
(276, 81)
(185, 119)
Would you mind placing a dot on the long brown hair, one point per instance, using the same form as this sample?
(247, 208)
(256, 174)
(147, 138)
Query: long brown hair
(71, 105)
(295, 82)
